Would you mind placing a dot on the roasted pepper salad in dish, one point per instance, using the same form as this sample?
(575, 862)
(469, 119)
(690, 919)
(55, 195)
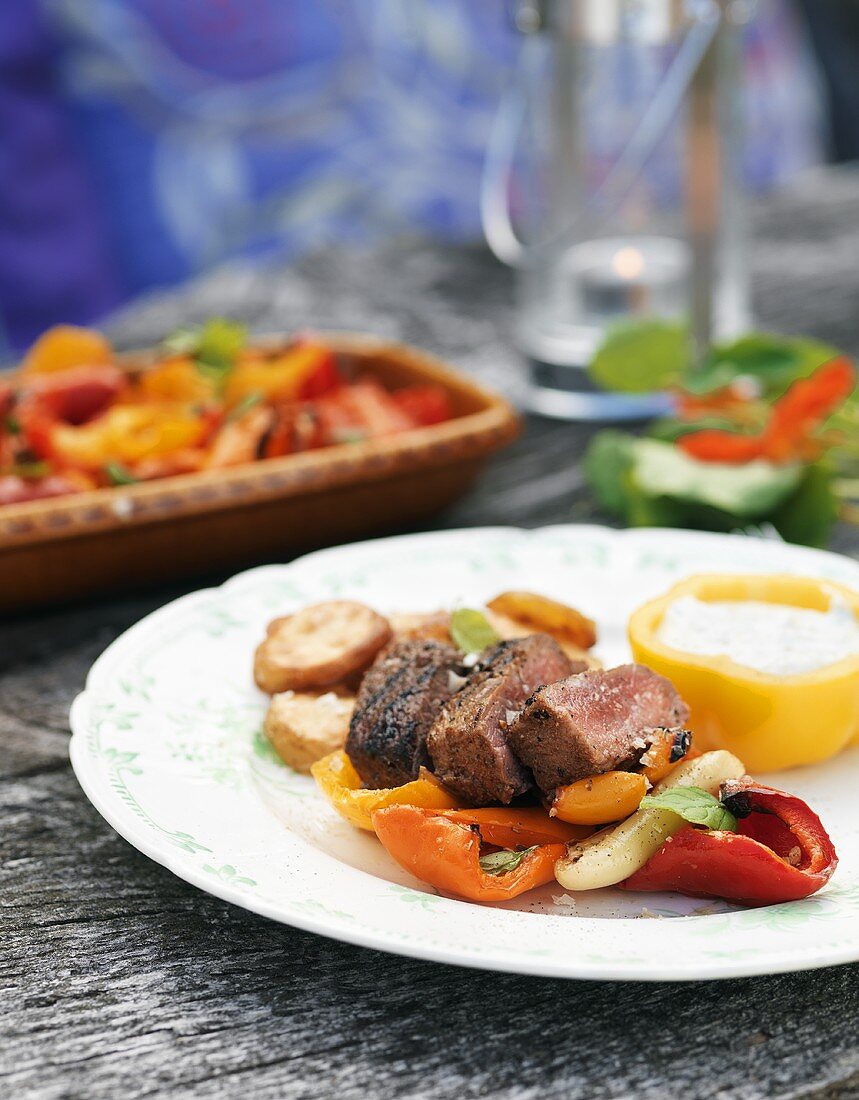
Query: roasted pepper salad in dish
(74, 417)
(490, 752)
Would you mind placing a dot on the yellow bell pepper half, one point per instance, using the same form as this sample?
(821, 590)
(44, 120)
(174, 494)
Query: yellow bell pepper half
(341, 785)
(770, 722)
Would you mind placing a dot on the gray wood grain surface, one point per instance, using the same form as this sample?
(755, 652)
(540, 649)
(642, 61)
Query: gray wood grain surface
(119, 980)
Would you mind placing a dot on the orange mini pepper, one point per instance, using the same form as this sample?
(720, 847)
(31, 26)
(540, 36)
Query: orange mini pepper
(445, 853)
(340, 783)
(600, 799)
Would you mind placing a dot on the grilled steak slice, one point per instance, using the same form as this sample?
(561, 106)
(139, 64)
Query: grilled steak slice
(594, 722)
(468, 743)
(398, 701)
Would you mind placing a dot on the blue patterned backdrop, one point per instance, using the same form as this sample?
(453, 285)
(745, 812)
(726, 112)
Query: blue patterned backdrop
(188, 131)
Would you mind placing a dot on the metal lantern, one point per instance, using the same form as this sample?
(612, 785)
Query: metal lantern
(612, 184)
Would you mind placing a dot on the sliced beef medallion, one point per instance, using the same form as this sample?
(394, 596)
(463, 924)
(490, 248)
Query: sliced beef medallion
(594, 722)
(468, 743)
(399, 698)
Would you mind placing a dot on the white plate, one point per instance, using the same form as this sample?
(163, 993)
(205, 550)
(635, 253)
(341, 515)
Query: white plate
(168, 746)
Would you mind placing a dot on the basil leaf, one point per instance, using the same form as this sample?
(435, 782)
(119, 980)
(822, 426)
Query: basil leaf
(642, 356)
(694, 805)
(472, 631)
(118, 475)
(501, 863)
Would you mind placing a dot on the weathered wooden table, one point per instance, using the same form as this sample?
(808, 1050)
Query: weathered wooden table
(119, 980)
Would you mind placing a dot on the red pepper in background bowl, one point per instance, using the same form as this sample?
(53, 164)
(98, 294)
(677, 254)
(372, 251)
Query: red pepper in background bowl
(781, 852)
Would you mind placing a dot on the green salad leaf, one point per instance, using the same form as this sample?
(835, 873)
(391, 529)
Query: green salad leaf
(472, 631)
(694, 805)
(748, 491)
(501, 863)
(607, 464)
(772, 362)
(809, 513)
(642, 356)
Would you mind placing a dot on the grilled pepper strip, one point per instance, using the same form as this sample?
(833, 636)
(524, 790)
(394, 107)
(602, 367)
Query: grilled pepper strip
(520, 827)
(341, 785)
(445, 853)
(781, 853)
(600, 799)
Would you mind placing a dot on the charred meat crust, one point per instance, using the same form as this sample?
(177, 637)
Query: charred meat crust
(593, 722)
(468, 743)
(397, 703)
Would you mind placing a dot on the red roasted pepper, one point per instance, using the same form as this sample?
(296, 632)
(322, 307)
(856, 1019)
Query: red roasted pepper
(74, 395)
(781, 853)
(445, 852)
(797, 414)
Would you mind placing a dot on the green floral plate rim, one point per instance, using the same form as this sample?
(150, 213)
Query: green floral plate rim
(167, 745)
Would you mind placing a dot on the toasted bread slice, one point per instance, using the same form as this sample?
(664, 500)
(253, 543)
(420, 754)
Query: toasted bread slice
(319, 645)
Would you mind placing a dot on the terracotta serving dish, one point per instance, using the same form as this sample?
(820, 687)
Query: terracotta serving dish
(123, 538)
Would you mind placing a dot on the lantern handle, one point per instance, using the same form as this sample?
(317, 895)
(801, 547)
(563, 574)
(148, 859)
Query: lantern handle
(510, 118)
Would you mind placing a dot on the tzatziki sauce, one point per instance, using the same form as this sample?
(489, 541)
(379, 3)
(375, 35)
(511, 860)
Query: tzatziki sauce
(774, 638)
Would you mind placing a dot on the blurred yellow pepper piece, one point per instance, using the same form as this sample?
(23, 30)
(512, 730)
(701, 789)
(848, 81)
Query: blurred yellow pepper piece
(176, 380)
(278, 378)
(66, 346)
(768, 721)
(128, 433)
(341, 785)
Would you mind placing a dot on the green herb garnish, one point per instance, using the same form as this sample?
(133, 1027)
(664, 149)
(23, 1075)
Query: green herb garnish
(248, 402)
(31, 471)
(118, 475)
(694, 805)
(501, 863)
(213, 346)
(13, 425)
(472, 631)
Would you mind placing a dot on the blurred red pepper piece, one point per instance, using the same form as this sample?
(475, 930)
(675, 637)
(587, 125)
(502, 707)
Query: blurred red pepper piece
(7, 399)
(75, 395)
(424, 405)
(782, 852)
(793, 418)
(805, 406)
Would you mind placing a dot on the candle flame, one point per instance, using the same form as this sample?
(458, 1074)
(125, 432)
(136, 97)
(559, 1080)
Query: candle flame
(628, 263)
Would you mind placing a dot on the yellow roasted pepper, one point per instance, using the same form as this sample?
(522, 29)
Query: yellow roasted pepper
(127, 433)
(341, 785)
(275, 378)
(770, 722)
